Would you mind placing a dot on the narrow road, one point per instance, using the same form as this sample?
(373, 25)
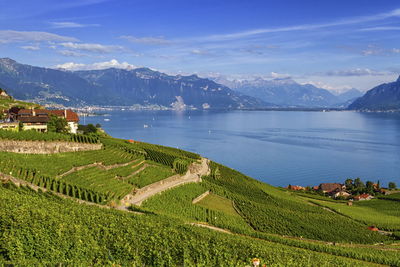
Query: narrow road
(193, 175)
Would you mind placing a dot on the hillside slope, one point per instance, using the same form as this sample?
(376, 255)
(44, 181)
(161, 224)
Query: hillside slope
(75, 221)
(382, 97)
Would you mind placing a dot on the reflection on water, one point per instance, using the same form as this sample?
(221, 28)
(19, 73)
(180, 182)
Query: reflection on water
(278, 147)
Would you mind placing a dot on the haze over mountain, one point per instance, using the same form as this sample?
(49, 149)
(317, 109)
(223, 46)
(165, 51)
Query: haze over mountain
(118, 87)
(382, 97)
(287, 92)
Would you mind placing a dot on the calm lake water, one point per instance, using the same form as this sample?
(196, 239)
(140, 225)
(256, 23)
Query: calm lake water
(277, 147)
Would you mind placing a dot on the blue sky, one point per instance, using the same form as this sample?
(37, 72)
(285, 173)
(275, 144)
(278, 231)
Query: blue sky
(332, 44)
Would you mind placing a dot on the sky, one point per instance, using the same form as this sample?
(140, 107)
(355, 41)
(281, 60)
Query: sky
(335, 45)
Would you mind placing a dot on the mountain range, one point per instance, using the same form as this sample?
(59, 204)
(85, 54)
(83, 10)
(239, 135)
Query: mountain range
(287, 92)
(118, 87)
(382, 97)
(148, 88)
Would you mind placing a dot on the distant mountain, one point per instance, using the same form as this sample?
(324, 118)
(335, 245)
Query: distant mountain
(118, 87)
(287, 92)
(349, 95)
(382, 97)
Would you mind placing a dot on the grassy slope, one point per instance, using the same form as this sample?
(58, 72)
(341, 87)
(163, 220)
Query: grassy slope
(39, 228)
(263, 208)
(215, 202)
(384, 214)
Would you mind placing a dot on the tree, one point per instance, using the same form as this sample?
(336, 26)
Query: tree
(370, 187)
(349, 184)
(358, 184)
(86, 129)
(392, 185)
(57, 124)
(98, 125)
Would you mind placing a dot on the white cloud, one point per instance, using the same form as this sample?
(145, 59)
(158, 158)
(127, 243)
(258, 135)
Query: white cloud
(146, 40)
(354, 72)
(94, 48)
(338, 89)
(30, 47)
(304, 27)
(9, 36)
(113, 63)
(385, 28)
(68, 24)
(276, 75)
(396, 50)
(200, 52)
(70, 53)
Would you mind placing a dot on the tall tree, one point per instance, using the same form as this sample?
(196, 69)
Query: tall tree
(57, 124)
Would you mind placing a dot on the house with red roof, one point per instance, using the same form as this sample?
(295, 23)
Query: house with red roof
(37, 119)
(331, 187)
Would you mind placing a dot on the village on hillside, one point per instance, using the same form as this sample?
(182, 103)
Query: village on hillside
(352, 190)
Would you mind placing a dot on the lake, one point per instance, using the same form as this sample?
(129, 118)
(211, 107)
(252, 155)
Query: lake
(276, 147)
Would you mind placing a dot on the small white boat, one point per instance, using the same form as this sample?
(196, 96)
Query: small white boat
(145, 126)
(106, 119)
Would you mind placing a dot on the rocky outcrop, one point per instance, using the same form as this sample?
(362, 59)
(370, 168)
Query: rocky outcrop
(43, 147)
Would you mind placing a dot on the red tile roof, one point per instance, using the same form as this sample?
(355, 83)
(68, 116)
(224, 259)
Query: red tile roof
(330, 187)
(34, 119)
(69, 115)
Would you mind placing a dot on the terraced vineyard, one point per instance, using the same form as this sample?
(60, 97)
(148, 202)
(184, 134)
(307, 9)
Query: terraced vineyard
(48, 136)
(280, 227)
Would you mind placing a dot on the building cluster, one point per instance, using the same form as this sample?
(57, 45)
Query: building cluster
(37, 119)
(337, 191)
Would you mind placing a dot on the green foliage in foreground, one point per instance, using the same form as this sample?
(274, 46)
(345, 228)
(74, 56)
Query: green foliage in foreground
(270, 210)
(42, 229)
(33, 135)
(385, 214)
(59, 163)
(177, 202)
(151, 174)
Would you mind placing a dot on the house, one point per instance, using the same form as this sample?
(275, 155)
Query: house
(71, 117)
(341, 193)
(330, 187)
(363, 197)
(34, 123)
(296, 187)
(37, 119)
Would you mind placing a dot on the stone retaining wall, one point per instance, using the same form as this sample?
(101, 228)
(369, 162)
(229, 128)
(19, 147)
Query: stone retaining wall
(43, 147)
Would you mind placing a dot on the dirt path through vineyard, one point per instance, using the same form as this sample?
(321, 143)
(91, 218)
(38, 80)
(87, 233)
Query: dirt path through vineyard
(193, 175)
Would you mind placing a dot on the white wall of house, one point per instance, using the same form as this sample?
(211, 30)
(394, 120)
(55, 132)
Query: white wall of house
(73, 126)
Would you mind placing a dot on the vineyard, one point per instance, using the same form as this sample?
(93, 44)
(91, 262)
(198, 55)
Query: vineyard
(33, 135)
(394, 197)
(83, 236)
(385, 214)
(107, 174)
(270, 210)
(153, 173)
(178, 203)
(278, 226)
